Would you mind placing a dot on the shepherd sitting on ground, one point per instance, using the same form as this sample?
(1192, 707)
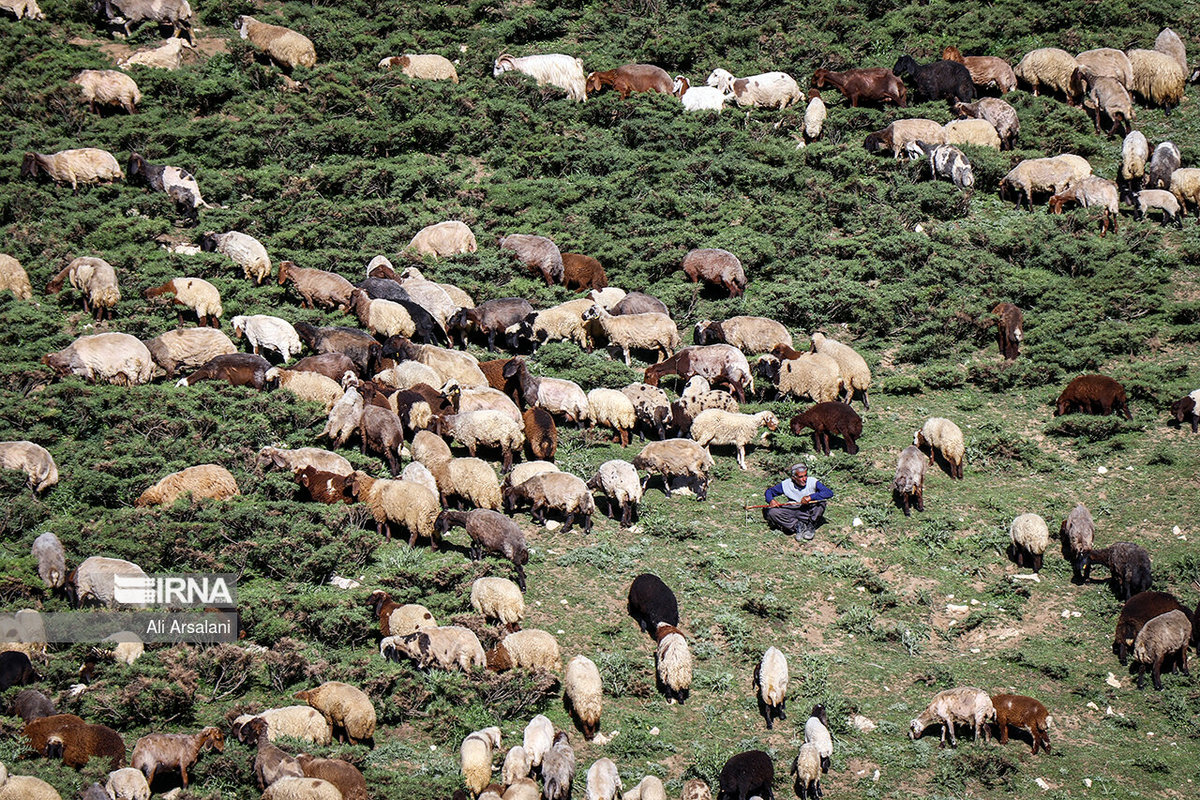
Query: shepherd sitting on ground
(797, 505)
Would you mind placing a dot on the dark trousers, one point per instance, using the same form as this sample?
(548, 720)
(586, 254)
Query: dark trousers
(789, 518)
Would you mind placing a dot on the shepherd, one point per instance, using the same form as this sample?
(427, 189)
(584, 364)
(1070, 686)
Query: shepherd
(797, 504)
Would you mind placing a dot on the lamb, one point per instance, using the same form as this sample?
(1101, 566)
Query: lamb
(649, 331)
(827, 420)
(699, 98)
(676, 458)
(347, 709)
(318, 287)
(22, 787)
(343, 775)
(78, 745)
(748, 334)
(447, 647)
(1002, 116)
(307, 386)
(1163, 163)
(977, 132)
(1107, 96)
(611, 408)
(127, 784)
(538, 253)
(636, 303)
(168, 56)
(1185, 185)
(265, 332)
(85, 165)
(856, 375)
(813, 375)
(560, 492)
(746, 775)
(716, 267)
(945, 161)
(714, 426)
(1022, 712)
(771, 681)
(1091, 191)
(1128, 564)
(816, 732)
(107, 87)
(486, 427)
(210, 481)
(27, 9)
(296, 460)
(527, 649)
(427, 66)
(541, 434)
(556, 395)
(558, 768)
(965, 705)
(603, 780)
(876, 84)
(400, 502)
(1107, 62)
(30, 704)
(620, 482)
(193, 293)
(582, 696)
(714, 362)
(1147, 199)
(13, 278)
(236, 369)
(908, 487)
(298, 722)
(649, 788)
(941, 435)
(563, 322)
(359, 346)
(939, 80)
(1054, 69)
(96, 279)
(1093, 394)
(301, 789)
(1077, 533)
(1157, 78)
(651, 406)
(651, 602)
(93, 580)
(673, 663)
(807, 771)
(285, 47)
(1138, 610)
(523, 472)
(491, 531)
(499, 599)
(769, 90)
(407, 374)
(37, 463)
(1030, 538)
(555, 69)
(1186, 410)
(173, 751)
(986, 71)
(463, 368)
(583, 272)
(538, 739)
(1167, 635)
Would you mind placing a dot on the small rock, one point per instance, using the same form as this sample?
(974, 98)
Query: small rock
(343, 583)
(722, 544)
(553, 524)
(564, 602)
(974, 602)
(1093, 706)
(600, 738)
(974, 649)
(171, 795)
(405, 452)
(1076, 614)
(875, 777)
(561, 632)
(655, 731)
(857, 522)
(433, 747)
(1176, 530)
(1087, 782)
(863, 724)
(1066, 613)
(1112, 681)
(1108, 711)
(1041, 782)
(1101, 470)
(635, 530)
(953, 609)
(1031, 577)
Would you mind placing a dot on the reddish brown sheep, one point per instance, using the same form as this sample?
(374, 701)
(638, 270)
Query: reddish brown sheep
(831, 418)
(381, 433)
(236, 369)
(583, 272)
(628, 79)
(39, 732)
(494, 372)
(718, 363)
(331, 365)
(1138, 610)
(76, 745)
(716, 267)
(541, 434)
(1022, 712)
(875, 85)
(325, 487)
(1093, 394)
(1010, 321)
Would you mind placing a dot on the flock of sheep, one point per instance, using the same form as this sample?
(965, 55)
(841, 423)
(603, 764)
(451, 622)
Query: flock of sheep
(401, 388)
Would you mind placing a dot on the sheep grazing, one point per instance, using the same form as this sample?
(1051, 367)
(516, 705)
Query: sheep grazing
(635, 303)
(746, 775)
(499, 599)
(940, 80)
(583, 272)
(1010, 321)
(302, 789)
(491, 319)
(716, 267)
(270, 762)
(771, 681)
(487, 428)
(316, 286)
(620, 482)
(47, 549)
(560, 492)
(647, 331)
(265, 332)
(86, 165)
(1168, 42)
(236, 369)
(699, 98)
(1053, 69)
(612, 409)
(245, 251)
(539, 254)
(768, 90)
(715, 363)
(1077, 534)
(1163, 163)
(538, 739)
(492, 532)
(204, 481)
(874, 85)
(398, 502)
(945, 161)
(285, 47)
(189, 348)
(651, 603)
(1107, 62)
(1147, 199)
(541, 434)
(178, 184)
(447, 647)
(813, 375)
(359, 346)
(93, 580)
(975, 132)
(195, 294)
(603, 780)
(856, 375)
(563, 322)
(299, 722)
(582, 696)
(965, 705)
(1093, 394)
(22, 787)
(298, 459)
(168, 56)
(631, 78)
(1038, 175)
(96, 279)
(558, 767)
(399, 620)
(1138, 610)
(22, 9)
(15, 667)
(554, 69)
(1185, 186)
(175, 13)
(127, 784)
(80, 744)
(1002, 116)
(908, 487)
(827, 420)
(1187, 409)
(463, 368)
(941, 435)
(426, 66)
(1030, 538)
(347, 709)
(816, 733)
(1157, 78)
(714, 426)
(466, 479)
(651, 406)
(1166, 636)
(649, 788)
(160, 752)
(1022, 712)
(37, 463)
(987, 72)
(1128, 564)
(556, 395)
(673, 662)
(30, 704)
(343, 775)
(528, 649)
(806, 772)
(13, 278)
(1091, 191)
(676, 458)
(107, 87)
(1108, 97)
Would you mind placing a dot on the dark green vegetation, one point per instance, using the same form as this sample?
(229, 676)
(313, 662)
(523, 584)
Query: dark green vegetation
(363, 159)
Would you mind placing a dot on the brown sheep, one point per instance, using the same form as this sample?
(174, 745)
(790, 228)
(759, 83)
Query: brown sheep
(325, 487)
(332, 365)
(1138, 610)
(830, 418)
(1022, 712)
(494, 372)
(174, 751)
(342, 774)
(38, 732)
(1009, 323)
(76, 745)
(874, 85)
(583, 272)
(716, 267)
(1093, 394)
(1185, 410)
(270, 763)
(316, 286)
(541, 434)
(625, 80)
(236, 369)
(382, 433)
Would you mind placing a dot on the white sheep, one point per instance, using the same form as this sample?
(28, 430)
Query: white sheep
(942, 435)
(649, 788)
(246, 251)
(814, 118)
(673, 663)
(444, 239)
(1002, 116)
(607, 297)
(1030, 536)
(94, 579)
(555, 69)
(1036, 175)
(13, 278)
(168, 56)
(700, 98)
(21, 787)
(1168, 42)
(1157, 78)
(770, 89)
(107, 87)
(603, 780)
(748, 334)
(771, 680)
(539, 737)
(184, 349)
(115, 358)
(27, 9)
(1052, 68)
(299, 722)
(35, 461)
(563, 322)
(83, 165)
(619, 480)
(292, 788)
(1161, 199)
(286, 47)
(127, 784)
(446, 647)
(266, 332)
(676, 458)
(945, 161)
(1185, 185)
(416, 472)
(408, 374)
(516, 765)
(806, 770)
(1091, 192)
(816, 733)
(427, 66)
(48, 550)
(965, 705)
(612, 409)
(1135, 152)
(1108, 62)
(856, 375)
(312, 387)
(96, 279)
(499, 599)
(650, 331)
(488, 428)
(583, 691)
(714, 426)
(528, 649)
(345, 416)
(977, 132)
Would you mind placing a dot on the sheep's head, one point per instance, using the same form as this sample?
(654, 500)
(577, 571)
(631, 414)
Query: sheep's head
(905, 65)
(1182, 409)
(29, 166)
(241, 24)
(593, 83)
(819, 77)
(915, 728)
(720, 78)
(502, 64)
(680, 86)
(211, 737)
(285, 268)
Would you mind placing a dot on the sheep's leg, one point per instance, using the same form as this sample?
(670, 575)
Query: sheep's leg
(1183, 661)
(741, 456)
(1141, 679)
(1157, 673)
(183, 774)
(569, 522)
(625, 349)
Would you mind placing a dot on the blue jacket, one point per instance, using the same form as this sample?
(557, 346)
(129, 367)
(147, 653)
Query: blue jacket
(820, 494)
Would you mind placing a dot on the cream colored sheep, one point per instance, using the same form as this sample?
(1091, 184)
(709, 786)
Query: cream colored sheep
(13, 278)
(814, 118)
(127, 784)
(1157, 78)
(1054, 69)
(619, 480)
(978, 132)
(430, 295)
(94, 579)
(856, 375)
(20, 787)
(476, 757)
(429, 67)
(115, 358)
(27, 9)
(451, 365)
(676, 458)
(291, 788)
(769, 90)
(311, 387)
(714, 426)
(107, 87)
(299, 722)
(1002, 116)
(771, 680)
(346, 708)
(381, 317)
(898, 134)
(964, 705)
(489, 428)
(1135, 152)
(96, 279)
(650, 331)
(942, 435)
(814, 375)
(748, 334)
(470, 479)
(674, 663)
(527, 649)
(444, 239)
(265, 332)
(128, 646)
(607, 297)
(344, 417)
(186, 349)
(195, 293)
(806, 771)
(410, 505)
(1091, 192)
(1168, 42)
(1185, 185)
(516, 766)
(523, 789)
(1147, 199)
(499, 599)
(481, 399)
(583, 691)
(1034, 175)
(32, 459)
(538, 739)
(286, 47)
(210, 481)
(649, 788)
(246, 251)
(563, 322)
(1030, 537)
(84, 165)
(526, 470)
(1107, 62)
(168, 56)
(408, 374)
(603, 780)
(556, 69)
(448, 647)
(416, 472)
(612, 409)
(296, 460)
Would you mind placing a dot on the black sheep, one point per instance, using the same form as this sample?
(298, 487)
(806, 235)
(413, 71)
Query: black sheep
(746, 775)
(651, 601)
(30, 704)
(490, 318)
(359, 346)
(1184, 410)
(15, 669)
(236, 369)
(1129, 564)
(940, 80)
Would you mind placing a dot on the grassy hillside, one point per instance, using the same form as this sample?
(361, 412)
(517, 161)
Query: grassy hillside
(832, 239)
